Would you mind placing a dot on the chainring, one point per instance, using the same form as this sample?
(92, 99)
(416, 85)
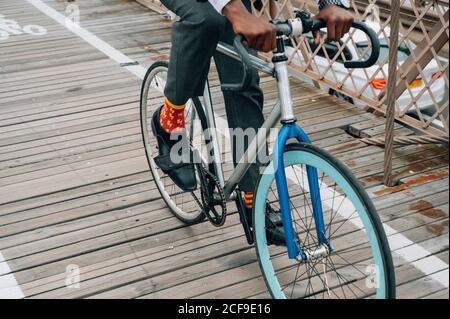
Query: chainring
(214, 205)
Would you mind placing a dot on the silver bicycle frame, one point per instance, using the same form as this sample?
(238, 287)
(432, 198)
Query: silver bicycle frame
(211, 121)
(283, 110)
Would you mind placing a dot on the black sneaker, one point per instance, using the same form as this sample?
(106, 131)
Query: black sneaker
(183, 173)
(274, 226)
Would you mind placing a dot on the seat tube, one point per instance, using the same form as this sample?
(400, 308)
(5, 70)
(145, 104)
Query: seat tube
(209, 112)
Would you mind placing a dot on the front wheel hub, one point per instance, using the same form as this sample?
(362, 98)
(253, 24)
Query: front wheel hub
(314, 254)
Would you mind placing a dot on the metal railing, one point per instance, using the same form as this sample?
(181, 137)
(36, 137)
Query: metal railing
(410, 81)
(422, 79)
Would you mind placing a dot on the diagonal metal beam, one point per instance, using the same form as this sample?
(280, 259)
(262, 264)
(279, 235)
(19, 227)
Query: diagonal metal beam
(408, 70)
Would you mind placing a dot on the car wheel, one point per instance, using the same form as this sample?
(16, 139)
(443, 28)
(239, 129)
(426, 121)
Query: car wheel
(341, 96)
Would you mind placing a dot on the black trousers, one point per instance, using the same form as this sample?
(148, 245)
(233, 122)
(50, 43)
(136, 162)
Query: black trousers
(194, 40)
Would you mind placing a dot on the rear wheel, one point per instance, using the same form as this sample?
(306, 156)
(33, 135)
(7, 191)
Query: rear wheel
(360, 264)
(185, 205)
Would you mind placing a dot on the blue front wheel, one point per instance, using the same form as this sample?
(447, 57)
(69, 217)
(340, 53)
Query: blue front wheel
(359, 265)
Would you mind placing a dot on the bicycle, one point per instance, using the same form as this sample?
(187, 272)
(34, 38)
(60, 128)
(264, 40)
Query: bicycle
(335, 243)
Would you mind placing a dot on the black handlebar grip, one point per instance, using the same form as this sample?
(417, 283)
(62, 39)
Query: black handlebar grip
(247, 65)
(375, 42)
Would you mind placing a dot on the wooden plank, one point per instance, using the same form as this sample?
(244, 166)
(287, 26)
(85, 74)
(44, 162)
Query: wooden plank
(197, 288)
(441, 294)
(153, 5)
(186, 275)
(406, 225)
(421, 287)
(179, 260)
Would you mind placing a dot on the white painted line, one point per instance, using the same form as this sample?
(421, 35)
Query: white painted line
(11, 293)
(4, 269)
(7, 281)
(9, 288)
(407, 249)
(441, 277)
(433, 267)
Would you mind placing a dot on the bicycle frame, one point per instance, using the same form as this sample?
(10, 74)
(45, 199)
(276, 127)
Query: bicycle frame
(282, 110)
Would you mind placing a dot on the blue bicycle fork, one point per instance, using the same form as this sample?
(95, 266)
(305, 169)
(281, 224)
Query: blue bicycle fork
(291, 130)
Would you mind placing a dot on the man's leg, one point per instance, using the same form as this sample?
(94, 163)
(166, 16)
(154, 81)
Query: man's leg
(194, 40)
(244, 109)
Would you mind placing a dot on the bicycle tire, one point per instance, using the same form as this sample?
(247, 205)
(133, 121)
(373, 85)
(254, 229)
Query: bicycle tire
(189, 215)
(304, 154)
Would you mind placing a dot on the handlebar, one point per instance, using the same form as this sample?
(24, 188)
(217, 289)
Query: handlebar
(300, 25)
(375, 54)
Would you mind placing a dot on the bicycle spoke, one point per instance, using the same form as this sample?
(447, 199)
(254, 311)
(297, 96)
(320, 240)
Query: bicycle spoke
(293, 285)
(348, 281)
(325, 285)
(342, 224)
(349, 264)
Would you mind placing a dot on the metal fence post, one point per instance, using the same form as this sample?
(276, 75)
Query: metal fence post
(391, 99)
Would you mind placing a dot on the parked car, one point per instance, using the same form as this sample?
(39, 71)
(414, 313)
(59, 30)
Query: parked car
(359, 76)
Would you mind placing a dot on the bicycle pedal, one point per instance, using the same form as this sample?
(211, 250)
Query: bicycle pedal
(243, 218)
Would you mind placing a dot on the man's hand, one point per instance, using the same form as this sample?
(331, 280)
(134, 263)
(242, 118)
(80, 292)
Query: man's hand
(338, 22)
(259, 34)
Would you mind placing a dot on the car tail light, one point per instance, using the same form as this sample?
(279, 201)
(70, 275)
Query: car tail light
(378, 83)
(416, 83)
(436, 75)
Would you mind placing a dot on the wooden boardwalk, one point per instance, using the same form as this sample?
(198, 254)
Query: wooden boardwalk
(76, 192)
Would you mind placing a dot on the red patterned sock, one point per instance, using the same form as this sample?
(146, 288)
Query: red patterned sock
(248, 198)
(172, 116)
